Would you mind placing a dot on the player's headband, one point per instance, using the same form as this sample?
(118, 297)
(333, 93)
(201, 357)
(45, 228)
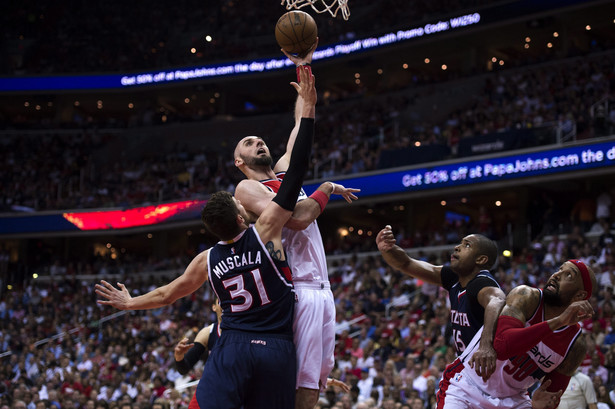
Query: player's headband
(587, 281)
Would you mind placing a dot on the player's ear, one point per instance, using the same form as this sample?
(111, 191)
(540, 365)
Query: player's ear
(238, 161)
(580, 295)
(482, 260)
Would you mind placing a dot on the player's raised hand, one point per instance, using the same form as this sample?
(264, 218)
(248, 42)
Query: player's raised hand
(348, 193)
(112, 296)
(542, 399)
(306, 87)
(576, 312)
(483, 361)
(181, 348)
(385, 239)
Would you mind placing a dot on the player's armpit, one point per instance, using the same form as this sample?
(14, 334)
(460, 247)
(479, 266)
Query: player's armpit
(575, 356)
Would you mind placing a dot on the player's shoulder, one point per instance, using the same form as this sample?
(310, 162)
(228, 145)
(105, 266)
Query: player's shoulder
(248, 184)
(249, 187)
(525, 291)
(484, 277)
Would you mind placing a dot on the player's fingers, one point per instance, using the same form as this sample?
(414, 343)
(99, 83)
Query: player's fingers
(105, 284)
(122, 287)
(102, 291)
(543, 386)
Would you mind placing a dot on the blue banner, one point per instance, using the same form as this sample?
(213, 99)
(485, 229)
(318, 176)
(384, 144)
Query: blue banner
(413, 179)
(485, 170)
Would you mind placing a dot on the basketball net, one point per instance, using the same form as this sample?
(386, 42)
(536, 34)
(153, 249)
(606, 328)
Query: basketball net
(321, 6)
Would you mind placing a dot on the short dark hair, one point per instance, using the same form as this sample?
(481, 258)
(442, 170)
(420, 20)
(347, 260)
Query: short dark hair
(220, 215)
(487, 247)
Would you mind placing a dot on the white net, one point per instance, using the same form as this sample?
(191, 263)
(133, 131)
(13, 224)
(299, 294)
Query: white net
(321, 6)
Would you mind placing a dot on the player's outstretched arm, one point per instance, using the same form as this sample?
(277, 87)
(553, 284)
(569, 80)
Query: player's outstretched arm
(188, 354)
(484, 359)
(283, 162)
(193, 278)
(279, 210)
(397, 258)
(307, 211)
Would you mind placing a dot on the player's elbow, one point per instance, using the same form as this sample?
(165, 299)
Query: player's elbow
(297, 223)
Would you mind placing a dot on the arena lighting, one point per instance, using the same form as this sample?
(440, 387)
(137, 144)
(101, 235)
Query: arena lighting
(135, 217)
(507, 253)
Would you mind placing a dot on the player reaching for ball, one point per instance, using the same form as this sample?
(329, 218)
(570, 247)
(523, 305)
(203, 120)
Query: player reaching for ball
(253, 364)
(314, 321)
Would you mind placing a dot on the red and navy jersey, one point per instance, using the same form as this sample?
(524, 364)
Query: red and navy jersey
(515, 375)
(255, 291)
(467, 315)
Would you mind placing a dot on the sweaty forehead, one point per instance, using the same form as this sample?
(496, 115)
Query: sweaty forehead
(472, 239)
(248, 139)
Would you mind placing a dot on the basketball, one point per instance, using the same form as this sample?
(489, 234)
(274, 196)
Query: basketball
(296, 32)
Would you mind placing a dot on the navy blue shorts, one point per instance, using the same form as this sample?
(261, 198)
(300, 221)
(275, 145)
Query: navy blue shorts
(249, 371)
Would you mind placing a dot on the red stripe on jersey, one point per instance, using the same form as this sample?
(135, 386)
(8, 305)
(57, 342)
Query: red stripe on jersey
(461, 294)
(274, 185)
(451, 370)
(194, 404)
(287, 274)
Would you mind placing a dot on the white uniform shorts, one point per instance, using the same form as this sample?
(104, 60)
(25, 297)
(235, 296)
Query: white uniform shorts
(314, 333)
(462, 393)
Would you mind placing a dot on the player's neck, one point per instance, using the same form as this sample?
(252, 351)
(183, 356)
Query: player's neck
(465, 279)
(552, 311)
(259, 173)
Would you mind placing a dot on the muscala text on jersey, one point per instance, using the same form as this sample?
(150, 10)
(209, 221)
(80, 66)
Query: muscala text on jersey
(236, 261)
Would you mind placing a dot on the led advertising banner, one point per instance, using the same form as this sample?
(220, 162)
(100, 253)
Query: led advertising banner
(119, 81)
(414, 179)
(485, 170)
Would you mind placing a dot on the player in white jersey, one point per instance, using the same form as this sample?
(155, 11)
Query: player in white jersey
(314, 324)
(537, 339)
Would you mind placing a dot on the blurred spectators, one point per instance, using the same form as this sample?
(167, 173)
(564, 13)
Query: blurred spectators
(58, 345)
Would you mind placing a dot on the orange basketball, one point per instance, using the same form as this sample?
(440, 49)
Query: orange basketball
(296, 32)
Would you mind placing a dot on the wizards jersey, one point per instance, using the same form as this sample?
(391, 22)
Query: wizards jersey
(515, 375)
(255, 291)
(467, 314)
(304, 248)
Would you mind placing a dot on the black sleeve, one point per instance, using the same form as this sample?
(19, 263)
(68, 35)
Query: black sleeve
(448, 277)
(299, 161)
(478, 283)
(190, 359)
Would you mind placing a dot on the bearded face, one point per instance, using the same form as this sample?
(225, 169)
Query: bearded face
(258, 161)
(552, 297)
